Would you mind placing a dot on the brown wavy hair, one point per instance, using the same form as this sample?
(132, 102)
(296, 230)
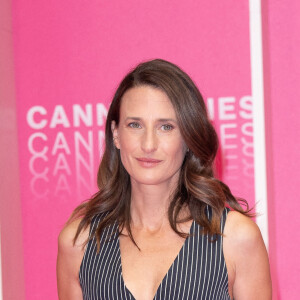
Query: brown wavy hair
(197, 187)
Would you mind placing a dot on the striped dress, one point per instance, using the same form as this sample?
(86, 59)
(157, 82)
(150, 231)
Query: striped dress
(198, 272)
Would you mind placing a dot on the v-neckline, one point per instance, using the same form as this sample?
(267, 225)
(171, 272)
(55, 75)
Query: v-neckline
(168, 271)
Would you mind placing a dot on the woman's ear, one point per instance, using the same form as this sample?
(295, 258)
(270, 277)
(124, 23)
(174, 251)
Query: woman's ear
(114, 130)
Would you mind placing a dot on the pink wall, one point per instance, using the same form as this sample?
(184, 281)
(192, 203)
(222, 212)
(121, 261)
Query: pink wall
(69, 57)
(10, 206)
(281, 27)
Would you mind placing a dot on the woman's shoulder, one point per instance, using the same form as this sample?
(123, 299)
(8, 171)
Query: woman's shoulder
(69, 259)
(67, 234)
(246, 257)
(242, 238)
(240, 229)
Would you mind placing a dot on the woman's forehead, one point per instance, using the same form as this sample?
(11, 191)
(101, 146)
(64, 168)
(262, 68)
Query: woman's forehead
(146, 101)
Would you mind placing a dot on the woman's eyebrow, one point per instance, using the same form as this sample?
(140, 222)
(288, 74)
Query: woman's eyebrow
(160, 120)
(133, 118)
(167, 120)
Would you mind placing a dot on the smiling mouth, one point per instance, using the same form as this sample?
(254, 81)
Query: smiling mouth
(148, 162)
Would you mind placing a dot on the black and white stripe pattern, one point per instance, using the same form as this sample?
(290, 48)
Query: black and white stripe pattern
(198, 272)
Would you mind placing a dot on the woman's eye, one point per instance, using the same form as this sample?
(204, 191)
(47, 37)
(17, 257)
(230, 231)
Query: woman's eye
(134, 125)
(167, 127)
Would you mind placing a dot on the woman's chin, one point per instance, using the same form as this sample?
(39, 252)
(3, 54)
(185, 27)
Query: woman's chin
(153, 180)
(148, 181)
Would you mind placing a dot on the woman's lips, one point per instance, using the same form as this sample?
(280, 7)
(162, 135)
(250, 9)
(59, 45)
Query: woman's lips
(148, 162)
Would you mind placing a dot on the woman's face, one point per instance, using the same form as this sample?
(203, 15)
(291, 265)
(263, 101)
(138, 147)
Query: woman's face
(151, 146)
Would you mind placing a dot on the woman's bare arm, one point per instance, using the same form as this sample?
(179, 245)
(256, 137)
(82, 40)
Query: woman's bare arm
(69, 258)
(247, 259)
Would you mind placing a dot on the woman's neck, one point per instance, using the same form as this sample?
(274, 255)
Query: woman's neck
(149, 205)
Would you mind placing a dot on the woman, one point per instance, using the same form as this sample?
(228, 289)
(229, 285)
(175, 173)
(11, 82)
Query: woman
(159, 227)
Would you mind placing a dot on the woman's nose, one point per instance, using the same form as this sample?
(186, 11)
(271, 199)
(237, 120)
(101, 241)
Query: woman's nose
(149, 141)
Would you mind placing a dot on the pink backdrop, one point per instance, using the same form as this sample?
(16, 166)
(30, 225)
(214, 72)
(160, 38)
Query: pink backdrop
(281, 29)
(69, 57)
